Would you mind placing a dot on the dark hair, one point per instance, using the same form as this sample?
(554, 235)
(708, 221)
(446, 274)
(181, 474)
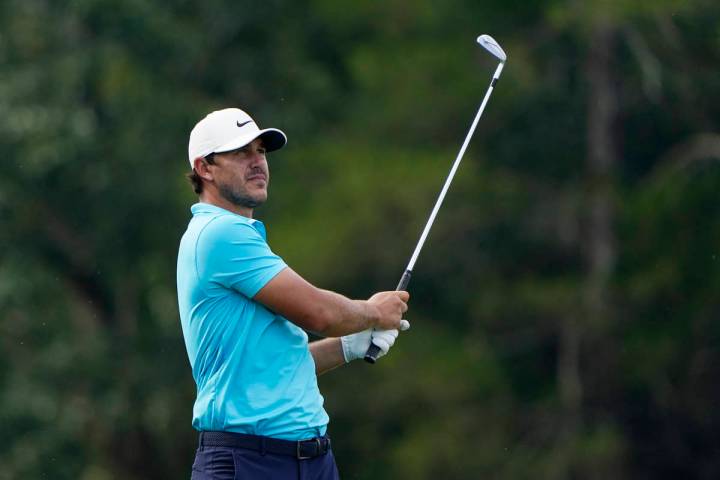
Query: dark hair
(195, 179)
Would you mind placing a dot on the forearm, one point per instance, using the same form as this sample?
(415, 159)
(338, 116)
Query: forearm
(344, 316)
(327, 354)
(327, 313)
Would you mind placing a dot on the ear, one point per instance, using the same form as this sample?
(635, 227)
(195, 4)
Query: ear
(202, 168)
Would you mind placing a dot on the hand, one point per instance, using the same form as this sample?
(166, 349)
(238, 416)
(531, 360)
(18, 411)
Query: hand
(355, 346)
(389, 307)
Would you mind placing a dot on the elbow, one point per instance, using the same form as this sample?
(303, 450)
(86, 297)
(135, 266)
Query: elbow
(321, 322)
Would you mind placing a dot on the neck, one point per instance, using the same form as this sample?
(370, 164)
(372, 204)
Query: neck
(214, 199)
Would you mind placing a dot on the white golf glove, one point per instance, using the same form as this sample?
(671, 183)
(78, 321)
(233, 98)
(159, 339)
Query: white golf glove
(355, 345)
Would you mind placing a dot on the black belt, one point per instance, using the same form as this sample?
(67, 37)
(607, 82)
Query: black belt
(301, 449)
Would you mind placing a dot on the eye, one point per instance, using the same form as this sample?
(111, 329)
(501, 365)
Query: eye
(262, 150)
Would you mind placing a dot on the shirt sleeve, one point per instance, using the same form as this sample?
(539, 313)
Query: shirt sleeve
(233, 254)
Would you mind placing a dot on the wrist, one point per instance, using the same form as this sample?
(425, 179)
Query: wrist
(371, 314)
(355, 345)
(345, 344)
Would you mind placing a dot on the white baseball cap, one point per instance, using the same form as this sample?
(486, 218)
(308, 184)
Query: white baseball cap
(229, 129)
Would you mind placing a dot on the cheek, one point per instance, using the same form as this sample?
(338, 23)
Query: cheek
(236, 176)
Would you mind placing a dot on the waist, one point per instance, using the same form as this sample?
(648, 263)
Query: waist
(254, 410)
(301, 449)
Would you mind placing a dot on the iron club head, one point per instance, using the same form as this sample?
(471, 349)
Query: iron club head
(489, 44)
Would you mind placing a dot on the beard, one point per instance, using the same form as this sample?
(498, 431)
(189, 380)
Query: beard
(239, 197)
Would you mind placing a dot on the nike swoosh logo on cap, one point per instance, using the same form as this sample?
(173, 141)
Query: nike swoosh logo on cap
(244, 123)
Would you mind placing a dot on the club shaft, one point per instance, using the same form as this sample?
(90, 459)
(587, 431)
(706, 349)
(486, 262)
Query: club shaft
(454, 168)
(374, 351)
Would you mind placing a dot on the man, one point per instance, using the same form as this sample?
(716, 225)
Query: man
(244, 313)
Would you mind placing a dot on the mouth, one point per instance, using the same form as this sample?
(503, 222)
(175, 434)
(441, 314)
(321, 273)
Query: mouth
(257, 176)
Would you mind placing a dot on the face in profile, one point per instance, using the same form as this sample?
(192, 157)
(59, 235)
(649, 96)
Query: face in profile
(242, 176)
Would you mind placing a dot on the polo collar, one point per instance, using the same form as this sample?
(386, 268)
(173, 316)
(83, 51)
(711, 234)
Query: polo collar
(200, 208)
(208, 208)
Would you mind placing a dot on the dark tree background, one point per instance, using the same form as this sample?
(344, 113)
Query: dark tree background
(565, 308)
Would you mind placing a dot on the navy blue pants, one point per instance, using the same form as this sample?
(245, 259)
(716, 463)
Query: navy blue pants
(226, 463)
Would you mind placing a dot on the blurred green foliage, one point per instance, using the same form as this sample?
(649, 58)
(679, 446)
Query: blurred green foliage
(564, 309)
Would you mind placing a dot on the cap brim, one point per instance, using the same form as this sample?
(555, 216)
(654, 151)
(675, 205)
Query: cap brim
(273, 139)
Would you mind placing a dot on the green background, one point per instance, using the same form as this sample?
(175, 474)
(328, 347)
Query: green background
(565, 307)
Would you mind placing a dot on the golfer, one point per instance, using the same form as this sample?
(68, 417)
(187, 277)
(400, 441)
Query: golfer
(244, 315)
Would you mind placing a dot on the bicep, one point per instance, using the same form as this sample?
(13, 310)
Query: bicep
(296, 299)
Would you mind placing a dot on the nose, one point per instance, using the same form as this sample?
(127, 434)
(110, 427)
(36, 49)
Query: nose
(256, 158)
(257, 161)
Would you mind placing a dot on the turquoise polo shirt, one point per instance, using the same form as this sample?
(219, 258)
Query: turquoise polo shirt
(253, 368)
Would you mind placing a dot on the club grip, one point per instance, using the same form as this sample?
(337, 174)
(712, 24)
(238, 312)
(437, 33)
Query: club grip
(373, 351)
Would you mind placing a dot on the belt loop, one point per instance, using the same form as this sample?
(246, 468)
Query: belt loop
(263, 452)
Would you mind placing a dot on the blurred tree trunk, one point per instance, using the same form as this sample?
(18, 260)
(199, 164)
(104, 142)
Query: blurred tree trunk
(598, 238)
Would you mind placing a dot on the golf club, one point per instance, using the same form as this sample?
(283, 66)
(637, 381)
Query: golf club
(489, 44)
